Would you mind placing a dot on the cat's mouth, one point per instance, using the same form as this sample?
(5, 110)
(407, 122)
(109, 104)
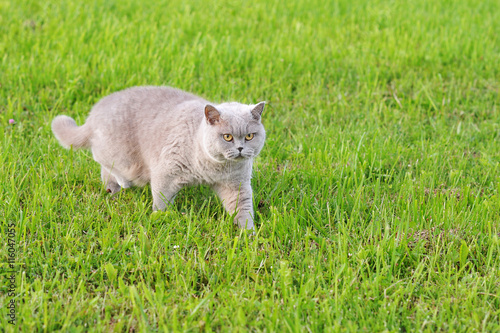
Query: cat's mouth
(236, 157)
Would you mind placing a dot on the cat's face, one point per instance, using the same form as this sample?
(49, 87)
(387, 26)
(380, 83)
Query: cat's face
(234, 131)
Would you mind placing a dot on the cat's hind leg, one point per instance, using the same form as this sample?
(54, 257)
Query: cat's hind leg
(109, 181)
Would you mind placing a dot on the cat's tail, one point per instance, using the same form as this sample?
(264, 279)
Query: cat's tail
(69, 134)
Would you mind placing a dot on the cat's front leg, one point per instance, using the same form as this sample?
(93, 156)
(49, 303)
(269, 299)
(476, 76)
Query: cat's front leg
(164, 191)
(237, 197)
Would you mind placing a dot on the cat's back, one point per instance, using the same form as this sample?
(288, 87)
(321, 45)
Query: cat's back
(144, 118)
(144, 101)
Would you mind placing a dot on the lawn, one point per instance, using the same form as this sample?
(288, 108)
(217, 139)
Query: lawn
(377, 193)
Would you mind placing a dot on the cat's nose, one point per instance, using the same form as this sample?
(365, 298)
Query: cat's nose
(240, 149)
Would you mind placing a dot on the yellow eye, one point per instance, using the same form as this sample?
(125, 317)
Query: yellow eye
(249, 137)
(228, 137)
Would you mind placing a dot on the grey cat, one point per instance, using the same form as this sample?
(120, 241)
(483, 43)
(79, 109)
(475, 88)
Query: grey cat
(171, 139)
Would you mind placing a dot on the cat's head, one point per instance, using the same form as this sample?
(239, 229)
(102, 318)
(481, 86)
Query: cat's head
(233, 131)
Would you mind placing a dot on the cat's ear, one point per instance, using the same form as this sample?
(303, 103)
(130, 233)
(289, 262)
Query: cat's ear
(212, 114)
(257, 110)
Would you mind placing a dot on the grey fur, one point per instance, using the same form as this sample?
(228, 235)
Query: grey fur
(171, 139)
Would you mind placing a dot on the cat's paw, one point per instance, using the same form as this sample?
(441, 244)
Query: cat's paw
(113, 188)
(248, 225)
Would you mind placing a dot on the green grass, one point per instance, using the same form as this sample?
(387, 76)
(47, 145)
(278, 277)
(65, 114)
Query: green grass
(377, 193)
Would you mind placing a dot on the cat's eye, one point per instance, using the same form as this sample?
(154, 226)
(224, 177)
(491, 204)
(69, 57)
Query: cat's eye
(249, 137)
(227, 137)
